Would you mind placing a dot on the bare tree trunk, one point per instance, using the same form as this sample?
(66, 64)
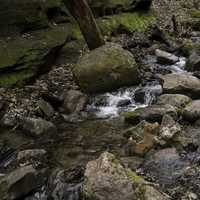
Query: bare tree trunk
(81, 11)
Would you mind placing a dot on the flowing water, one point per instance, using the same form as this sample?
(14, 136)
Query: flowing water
(111, 104)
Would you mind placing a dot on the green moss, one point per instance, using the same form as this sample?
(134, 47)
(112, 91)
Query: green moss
(132, 117)
(195, 13)
(8, 80)
(126, 22)
(134, 177)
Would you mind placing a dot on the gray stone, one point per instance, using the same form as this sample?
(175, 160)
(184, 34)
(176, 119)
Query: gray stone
(176, 100)
(74, 101)
(169, 128)
(193, 63)
(46, 108)
(106, 68)
(38, 127)
(192, 111)
(165, 57)
(20, 182)
(181, 84)
(31, 154)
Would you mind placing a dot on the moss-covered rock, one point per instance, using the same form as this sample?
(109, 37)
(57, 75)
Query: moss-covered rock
(21, 59)
(107, 179)
(20, 16)
(106, 68)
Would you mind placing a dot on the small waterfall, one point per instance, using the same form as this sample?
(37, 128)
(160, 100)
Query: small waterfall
(112, 104)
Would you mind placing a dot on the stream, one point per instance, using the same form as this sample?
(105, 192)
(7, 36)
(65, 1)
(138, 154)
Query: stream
(110, 105)
(77, 144)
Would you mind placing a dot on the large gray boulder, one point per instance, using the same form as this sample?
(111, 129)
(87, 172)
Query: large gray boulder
(106, 68)
(181, 84)
(107, 179)
(176, 100)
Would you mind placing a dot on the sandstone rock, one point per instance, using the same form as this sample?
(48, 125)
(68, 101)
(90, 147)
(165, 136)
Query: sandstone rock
(141, 138)
(176, 100)
(114, 68)
(181, 84)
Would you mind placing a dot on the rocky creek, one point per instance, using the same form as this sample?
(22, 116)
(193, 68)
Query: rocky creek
(120, 122)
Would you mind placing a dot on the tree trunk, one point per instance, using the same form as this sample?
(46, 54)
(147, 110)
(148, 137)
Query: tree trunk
(81, 11)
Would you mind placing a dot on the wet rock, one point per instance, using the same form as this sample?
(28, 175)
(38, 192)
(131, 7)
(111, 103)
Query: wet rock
(165, 166)
(38, 127)
(177, 100)
(46, 108)
(181, 84)
(107, 179)
(193, 63)
(63, 187)
(116, 69)
(74, 101)
(165, 57)
(152, 113)
(191, 112)
(21, 182)
(168, 129)
(140, 95)
(124, 102)
(141, 138)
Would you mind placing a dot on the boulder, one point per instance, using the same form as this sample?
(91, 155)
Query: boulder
(191, 112)
(177, 100)
(38, 127)
(24, 58)
(165, 166)
(21, 182)
(166, 58)
(181, 84)
(74, 101)
(114, 68)
(153, 113)
(21, 16)
(169, 129)
(107, 179)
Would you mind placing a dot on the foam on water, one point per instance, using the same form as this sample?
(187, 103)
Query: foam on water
(110, 105)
